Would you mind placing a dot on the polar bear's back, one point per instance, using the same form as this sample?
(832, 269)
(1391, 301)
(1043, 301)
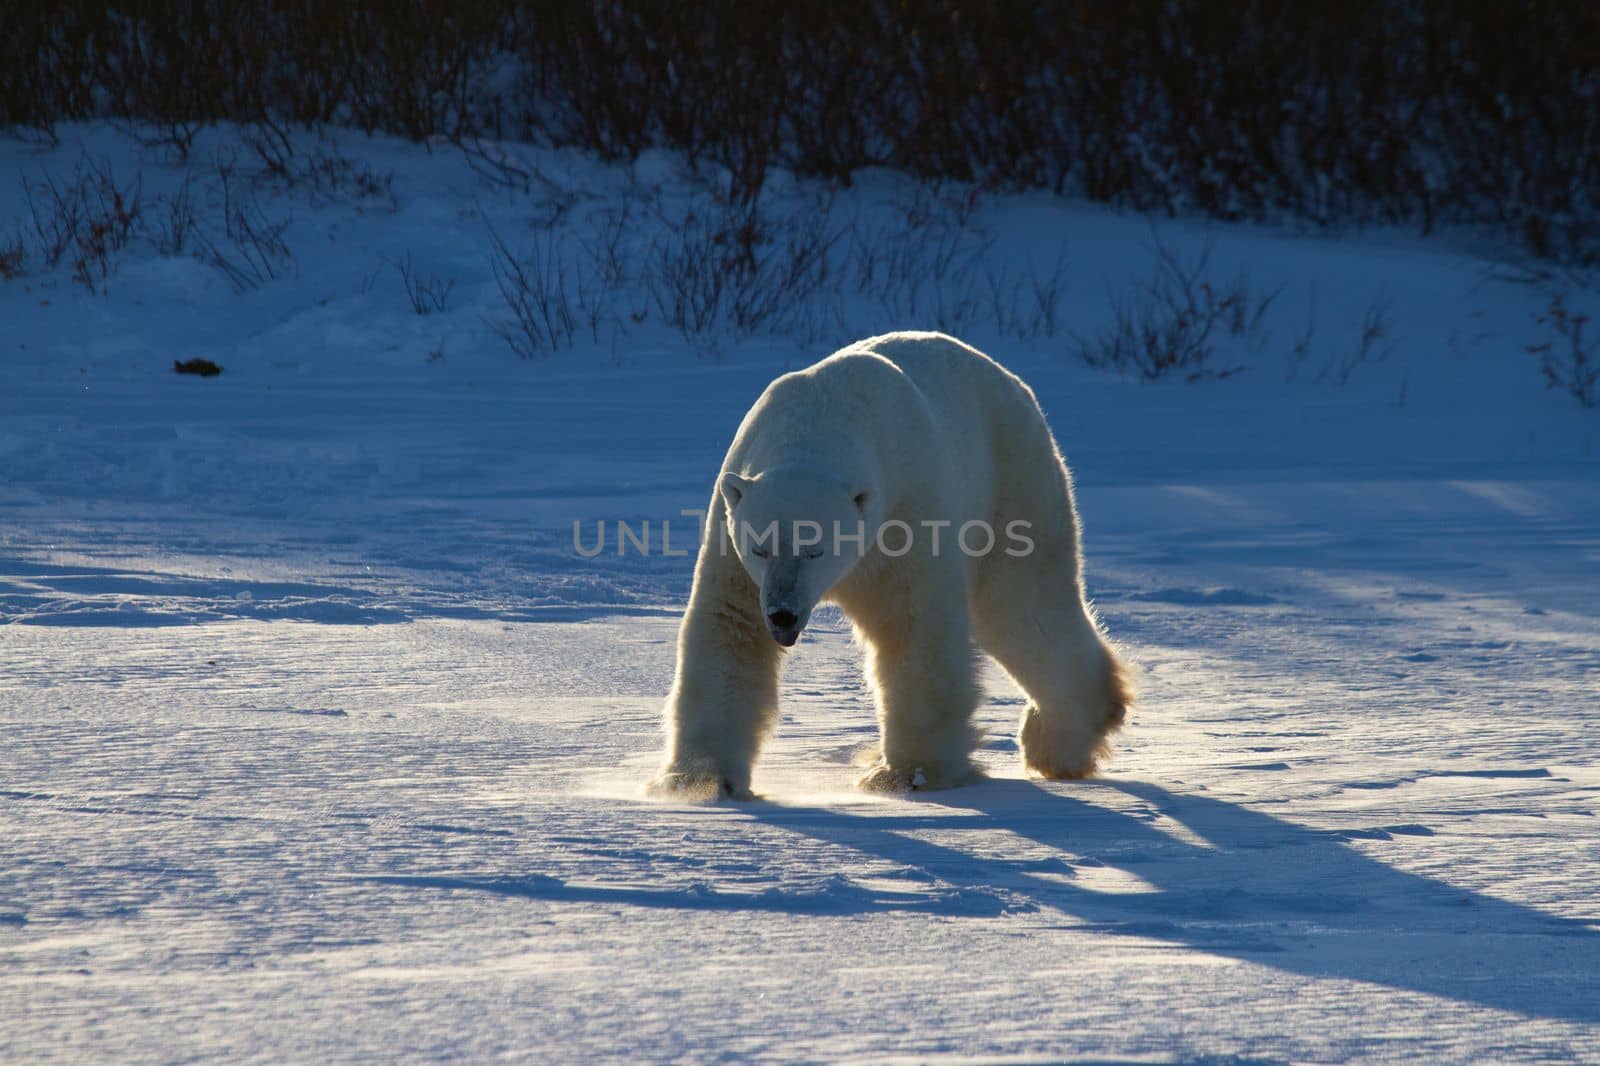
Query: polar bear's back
(933, 419)
(999, 445)
(953, 375)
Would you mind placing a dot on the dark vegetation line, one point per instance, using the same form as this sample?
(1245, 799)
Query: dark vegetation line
(1481, 112)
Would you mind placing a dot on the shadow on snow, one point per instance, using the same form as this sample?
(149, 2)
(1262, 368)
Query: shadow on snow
(1251, 886)
(58, 595)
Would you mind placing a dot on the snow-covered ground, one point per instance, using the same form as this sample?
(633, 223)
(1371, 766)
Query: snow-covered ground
(321, 741)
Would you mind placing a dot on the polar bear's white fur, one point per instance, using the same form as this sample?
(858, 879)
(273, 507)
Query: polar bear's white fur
(898, 442)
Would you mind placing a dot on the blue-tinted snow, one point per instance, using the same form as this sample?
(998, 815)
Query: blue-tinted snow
(322, 742)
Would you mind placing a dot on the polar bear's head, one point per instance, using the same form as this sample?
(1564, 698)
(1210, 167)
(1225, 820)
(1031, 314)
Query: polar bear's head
(797, 533)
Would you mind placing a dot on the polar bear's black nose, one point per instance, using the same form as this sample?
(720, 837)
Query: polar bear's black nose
(782, 618)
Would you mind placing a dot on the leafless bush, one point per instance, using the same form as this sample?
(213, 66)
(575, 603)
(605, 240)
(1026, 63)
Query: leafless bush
(731, 258)
(89, 217)
(41, 135)
(930, 274)
(173, 222)
(930, 266)
(728, 259)
(428, 294)
(1027, 305)
(272, 143)
(512, 169)
(537, 293)
(323, 170)
(491, 161)
(1300, 350)
(252, 251)
(596, 301)
(942, 205)
(607, 246)
(687, 272)
(330, 174)
(57, 217)
(255, 252)
(789, 270)
(173, 138)
(1170, 324)
(609, 268)
(1569, 361)
(109, 225)
(1371, 342)
(13, 257)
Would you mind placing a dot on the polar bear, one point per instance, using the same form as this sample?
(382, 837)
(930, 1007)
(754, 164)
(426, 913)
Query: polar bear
(912, 481)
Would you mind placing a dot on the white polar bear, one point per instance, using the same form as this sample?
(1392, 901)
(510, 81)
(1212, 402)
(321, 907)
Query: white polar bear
(869, 480)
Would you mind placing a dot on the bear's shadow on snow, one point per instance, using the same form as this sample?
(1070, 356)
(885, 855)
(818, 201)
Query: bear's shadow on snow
(1235, 882)
(1239, 883)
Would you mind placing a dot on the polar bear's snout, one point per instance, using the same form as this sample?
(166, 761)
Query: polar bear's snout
(785, 599)
(785, 625)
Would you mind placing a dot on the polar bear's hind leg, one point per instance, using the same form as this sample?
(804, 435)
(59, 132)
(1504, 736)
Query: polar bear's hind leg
(1037, 626)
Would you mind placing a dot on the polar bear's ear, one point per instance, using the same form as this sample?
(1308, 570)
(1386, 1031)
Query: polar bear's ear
(860, 500)
(734, 487)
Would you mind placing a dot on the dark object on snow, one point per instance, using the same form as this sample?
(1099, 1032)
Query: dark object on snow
(204, 367)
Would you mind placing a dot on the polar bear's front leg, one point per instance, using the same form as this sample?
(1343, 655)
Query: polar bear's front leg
(724, 700)
(924, 670)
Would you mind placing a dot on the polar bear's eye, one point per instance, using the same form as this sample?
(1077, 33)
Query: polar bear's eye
(813, 553)
(760, 553)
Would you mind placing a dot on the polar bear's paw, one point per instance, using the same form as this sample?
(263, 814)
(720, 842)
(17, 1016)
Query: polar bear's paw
(694, 786)
(885, 778)
(1062, 750)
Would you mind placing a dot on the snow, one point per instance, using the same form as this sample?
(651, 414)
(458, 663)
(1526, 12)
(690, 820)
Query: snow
(323, 743)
